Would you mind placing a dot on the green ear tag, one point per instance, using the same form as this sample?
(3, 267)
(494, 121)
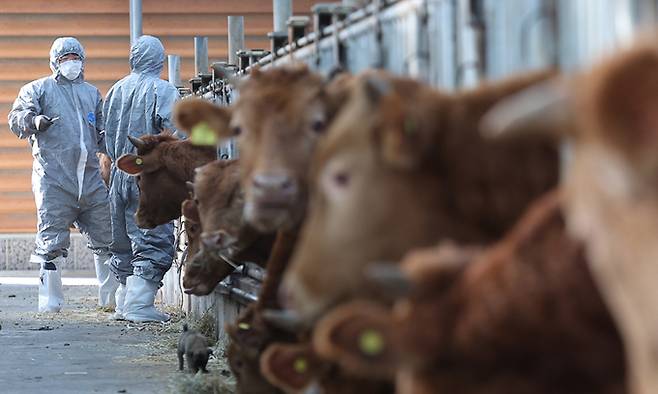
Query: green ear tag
(409, 126)
(371, 343)
(300, 365)
(139, 161)
(203, 135)
(244, 326)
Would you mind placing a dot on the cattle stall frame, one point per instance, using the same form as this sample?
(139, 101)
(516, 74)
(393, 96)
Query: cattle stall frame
(449, 44)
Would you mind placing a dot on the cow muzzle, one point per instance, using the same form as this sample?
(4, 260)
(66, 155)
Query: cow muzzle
(271, 201)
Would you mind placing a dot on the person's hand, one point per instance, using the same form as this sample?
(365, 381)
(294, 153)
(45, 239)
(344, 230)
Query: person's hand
(42, 122)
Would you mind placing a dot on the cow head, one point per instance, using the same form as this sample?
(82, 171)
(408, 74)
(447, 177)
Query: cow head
(161, 166)
(196, 277)
(218, 205)
(280, 115)
(278, 119)
(220, 202)
(402, 167)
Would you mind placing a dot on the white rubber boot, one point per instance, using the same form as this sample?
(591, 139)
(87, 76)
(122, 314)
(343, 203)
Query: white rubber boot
(51, 294)
(107, 283)
(140, 298)
(120, 296)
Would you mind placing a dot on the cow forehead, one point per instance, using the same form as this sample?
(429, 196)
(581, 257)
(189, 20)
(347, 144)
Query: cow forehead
(263, 109)
(351, 130)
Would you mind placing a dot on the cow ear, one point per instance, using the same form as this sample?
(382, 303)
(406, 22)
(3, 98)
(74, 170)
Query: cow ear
(131, 164)
(437, 268)
(358, 336)
(190, 211)
(291, 367)
(397, 133)
(621, 101)
(402, 142)
(248, 331)
(193, 113)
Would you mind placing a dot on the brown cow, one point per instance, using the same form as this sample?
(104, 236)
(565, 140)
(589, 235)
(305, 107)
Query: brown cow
(252, 332)
(523, 317)
(280, 116)
(278, 119)
(610, 187)
(277, 137)
(404, 166)
(162, 165)
(226, 240)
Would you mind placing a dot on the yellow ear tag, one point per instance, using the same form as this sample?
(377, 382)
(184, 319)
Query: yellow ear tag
(139, 161)
(300, 365)
(203, 135)
(244, 326)
(371, 343)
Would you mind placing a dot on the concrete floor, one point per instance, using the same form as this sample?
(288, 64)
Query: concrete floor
(79, 350)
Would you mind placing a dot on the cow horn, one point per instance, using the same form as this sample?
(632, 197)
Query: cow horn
(377, 87)
(390, 278)
(541, 109)
(283, 319)
(139, 144)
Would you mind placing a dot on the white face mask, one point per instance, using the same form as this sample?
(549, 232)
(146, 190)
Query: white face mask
(70, 69)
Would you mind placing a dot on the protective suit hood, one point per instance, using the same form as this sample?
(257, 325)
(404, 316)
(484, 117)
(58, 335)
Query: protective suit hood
(63, 46)
(147, 56)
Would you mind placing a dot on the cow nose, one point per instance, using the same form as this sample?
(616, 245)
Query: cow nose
(211, 240)
(274, 183)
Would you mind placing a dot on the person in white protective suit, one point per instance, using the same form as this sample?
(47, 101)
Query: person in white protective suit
(61, 116)
(139, 104)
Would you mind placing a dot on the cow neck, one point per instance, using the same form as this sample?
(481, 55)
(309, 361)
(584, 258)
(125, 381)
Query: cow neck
(282, 250)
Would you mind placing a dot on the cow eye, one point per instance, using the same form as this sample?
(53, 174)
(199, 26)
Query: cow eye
(236, 131)
(318, 126)
(341, 179)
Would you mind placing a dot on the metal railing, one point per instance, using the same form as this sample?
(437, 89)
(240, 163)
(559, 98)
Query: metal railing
(449, 44)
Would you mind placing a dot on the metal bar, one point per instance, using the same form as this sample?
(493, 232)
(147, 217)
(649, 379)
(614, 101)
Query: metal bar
(135, 20)
(235, 37)
(239, 295)
(253, 273)
(282, 11)
(173, 68)
(200, 55)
